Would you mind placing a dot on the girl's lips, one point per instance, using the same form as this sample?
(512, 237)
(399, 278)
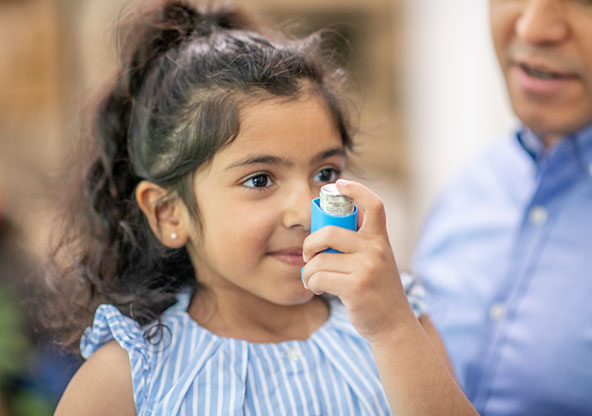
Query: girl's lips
(291, 256)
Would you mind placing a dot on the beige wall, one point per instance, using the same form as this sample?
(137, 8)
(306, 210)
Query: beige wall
(30, 112)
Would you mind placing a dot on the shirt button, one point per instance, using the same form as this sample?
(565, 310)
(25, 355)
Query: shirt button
(293, 353)
(497, 312)
(537, 215)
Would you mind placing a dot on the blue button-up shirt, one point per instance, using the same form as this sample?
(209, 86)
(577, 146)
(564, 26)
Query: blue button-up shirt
(506, 257)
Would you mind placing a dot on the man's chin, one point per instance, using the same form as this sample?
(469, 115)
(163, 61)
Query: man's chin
(548, 118)
(548, 124)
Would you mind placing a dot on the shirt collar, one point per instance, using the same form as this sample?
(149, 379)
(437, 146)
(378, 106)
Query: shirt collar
(579, 145)
(530, 143)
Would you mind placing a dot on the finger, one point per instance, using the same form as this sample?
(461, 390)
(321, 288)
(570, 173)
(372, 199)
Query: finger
(327, 282)
(337, 238)
(326, 261)
(342, 265)
(371, 206)
(333, 262)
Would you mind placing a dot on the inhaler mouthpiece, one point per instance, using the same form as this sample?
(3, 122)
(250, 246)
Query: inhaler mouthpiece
(335, 203)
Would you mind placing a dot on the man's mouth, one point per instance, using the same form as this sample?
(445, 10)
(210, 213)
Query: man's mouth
(543, 73)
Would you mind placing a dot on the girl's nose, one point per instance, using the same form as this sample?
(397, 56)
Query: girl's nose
(542, 22)
(296, 211)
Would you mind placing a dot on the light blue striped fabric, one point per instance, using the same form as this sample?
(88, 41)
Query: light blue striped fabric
(416, 294)
(194, 372)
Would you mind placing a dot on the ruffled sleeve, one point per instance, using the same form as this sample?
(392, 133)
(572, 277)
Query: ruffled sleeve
(109, 324)
(415, 294)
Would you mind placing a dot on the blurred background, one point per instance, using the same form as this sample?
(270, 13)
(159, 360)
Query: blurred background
(431, 97)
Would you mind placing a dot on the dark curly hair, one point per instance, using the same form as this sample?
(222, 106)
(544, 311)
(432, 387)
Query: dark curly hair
(184, 75)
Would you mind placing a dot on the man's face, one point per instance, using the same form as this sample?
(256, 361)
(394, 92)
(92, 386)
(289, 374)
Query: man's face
(544, 48)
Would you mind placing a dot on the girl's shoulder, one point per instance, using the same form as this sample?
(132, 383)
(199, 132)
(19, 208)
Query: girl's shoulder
(101, 386)
(115, 335)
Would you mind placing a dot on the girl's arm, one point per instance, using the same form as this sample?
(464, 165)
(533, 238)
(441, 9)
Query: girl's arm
(102, 385)
(416, 379)
(436, 340)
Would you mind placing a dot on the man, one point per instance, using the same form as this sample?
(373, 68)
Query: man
(507, 252)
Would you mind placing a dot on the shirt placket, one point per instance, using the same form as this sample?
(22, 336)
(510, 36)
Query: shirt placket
(555, 177)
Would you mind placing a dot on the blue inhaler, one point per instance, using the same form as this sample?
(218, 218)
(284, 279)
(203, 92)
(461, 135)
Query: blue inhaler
(333, 208)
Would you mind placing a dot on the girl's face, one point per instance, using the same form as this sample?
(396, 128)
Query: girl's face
(254, 200)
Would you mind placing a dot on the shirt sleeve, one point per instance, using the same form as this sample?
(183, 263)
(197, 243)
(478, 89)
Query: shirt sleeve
(415, 294)
(110, 324)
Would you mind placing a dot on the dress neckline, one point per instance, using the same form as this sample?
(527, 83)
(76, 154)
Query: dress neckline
(183, 299)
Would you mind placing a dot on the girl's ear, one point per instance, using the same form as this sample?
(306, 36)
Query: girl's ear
(165, 215)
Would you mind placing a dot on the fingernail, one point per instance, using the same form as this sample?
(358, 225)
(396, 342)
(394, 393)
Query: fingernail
(302, 279)
(304, 257)
(318, 293)
(343, 182)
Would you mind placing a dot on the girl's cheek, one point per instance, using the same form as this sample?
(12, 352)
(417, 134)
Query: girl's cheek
(257, 226)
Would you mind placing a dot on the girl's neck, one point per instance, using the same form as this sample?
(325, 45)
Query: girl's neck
(236, 315)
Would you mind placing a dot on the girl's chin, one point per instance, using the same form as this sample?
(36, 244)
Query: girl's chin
(298, 297)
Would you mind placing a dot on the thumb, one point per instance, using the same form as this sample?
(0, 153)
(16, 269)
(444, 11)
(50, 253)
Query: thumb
(369, 205)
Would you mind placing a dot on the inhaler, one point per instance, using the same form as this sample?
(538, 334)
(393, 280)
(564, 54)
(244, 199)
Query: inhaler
(333, 208)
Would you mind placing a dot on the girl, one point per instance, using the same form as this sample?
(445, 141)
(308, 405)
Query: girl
(211, 144)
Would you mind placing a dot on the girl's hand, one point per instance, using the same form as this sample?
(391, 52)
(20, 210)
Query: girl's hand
(364, 275)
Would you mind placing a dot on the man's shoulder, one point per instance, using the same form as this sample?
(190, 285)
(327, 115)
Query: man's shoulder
(496, 180)
(499, 165)
(500, 153)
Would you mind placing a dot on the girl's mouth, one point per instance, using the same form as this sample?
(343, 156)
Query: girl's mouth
(291, 256)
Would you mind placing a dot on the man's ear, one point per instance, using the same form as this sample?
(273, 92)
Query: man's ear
(164, 214)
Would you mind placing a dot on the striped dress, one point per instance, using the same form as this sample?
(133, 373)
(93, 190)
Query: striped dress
(192, 371)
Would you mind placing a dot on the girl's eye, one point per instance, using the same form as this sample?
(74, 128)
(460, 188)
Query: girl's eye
(327, 175)
(261, 180)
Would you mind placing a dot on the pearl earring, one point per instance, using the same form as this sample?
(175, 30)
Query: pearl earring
(173, 236)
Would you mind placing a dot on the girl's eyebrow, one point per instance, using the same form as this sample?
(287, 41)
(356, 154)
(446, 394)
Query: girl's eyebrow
(338, 151)
(276, 160)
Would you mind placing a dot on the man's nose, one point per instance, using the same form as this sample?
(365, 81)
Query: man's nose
(542, 22)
